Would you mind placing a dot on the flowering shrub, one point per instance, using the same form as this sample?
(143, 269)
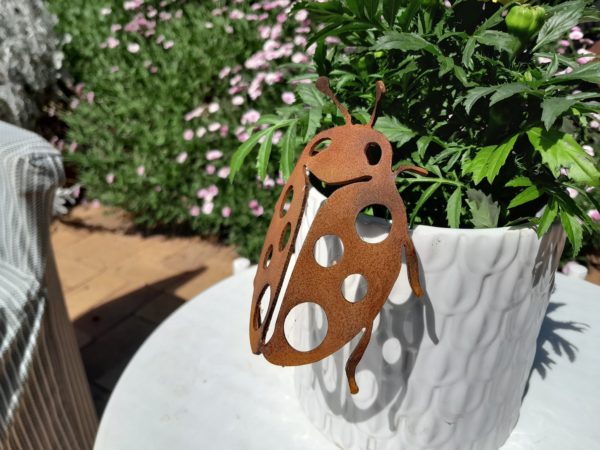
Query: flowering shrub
(164, 92)
(476, 93)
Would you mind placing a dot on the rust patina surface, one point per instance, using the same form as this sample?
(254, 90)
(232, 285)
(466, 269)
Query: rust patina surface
(357, 161)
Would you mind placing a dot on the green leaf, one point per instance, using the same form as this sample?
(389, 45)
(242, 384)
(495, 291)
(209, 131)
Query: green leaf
(264, 153)
(405, 42)
(467, 57)
(422, 144)
(559, 24)
(500, 40)
(310, 95)
(314, 121)
(242, 152)
(288, 151)
(554, 107)
(371, 7)
(475, 94)
(589, 72)
(559, 150)
(484, 210)
(453, 208)
(547, 218)
(394, 131)
(507, 90)
(526, 195)
(573, 229)
(489, 160)
(519, 182)
(424, 197)
(390, 10)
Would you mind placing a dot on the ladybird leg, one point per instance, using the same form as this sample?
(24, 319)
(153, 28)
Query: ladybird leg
(355, 358)
(412, 264)
(413, 169)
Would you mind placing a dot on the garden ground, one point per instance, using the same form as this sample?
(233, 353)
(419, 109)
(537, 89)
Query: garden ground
(119, 285)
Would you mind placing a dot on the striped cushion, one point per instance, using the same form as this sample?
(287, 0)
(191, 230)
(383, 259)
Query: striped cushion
(45, 401)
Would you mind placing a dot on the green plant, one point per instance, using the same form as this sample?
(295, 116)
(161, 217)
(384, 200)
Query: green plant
(162, 91)
(480, 108)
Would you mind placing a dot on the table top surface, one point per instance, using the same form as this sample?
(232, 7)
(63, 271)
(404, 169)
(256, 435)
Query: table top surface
(195, 381)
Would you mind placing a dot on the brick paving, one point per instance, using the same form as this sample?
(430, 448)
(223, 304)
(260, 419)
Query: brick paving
(119, 285)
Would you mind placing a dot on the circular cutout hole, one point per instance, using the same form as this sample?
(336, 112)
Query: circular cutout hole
(320, 146)
(391, 351)
(368, 228)
(285, 236)
(354, 287)
(301, 326)
(287, 201)
(263, 305)
(268, 257)
(373, 153)
(328, 250)
(368, 389)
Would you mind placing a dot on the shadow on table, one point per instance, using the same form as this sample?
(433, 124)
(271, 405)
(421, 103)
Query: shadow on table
(111, 334)
(551, 344)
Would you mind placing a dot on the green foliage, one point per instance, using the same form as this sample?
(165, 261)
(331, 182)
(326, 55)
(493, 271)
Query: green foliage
(496, 119)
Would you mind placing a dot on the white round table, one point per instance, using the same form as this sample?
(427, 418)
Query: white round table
(195, 384)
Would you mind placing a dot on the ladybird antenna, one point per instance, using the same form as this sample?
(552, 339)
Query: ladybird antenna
(323, 85)
(379, 91)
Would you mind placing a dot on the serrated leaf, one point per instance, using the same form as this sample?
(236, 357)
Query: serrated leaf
(422, 199)
(475, 94)
(505, 91)
(589, 72)
(467, 56)
(484, 210)
(394, 131)
(288, 151)
(526, 195)
(499, 40)
(573, 229)
(390, 10)
(559, 24)
(405, 42)
(489, 160)
(453, 208)
(422, 144)
(371, 7)
(314, 121)
(310, 95)
(264, 153)
(519, 182)
(242, 152)
(548, 216)
(560, 150)
(554, 107)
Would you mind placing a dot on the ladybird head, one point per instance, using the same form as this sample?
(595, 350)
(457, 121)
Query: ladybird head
(355, 152)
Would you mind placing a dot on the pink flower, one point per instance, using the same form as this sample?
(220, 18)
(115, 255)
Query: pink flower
(228, 29)
(594, 124)
(96, 203)
(209, 25)
(235, 80)
(281, 17)
(564, 43)
(164, 16)
(153, 69)
(202, 193)
(168, 44)
(213, 191)
(182, 157)
(575, 35)
(105, 11)
(236, 14)
(188, 134)
(226, 212)
(585, 59)
(141, 170)
(213, 107)
(114, 69)
(258, 211)
(196, 112)
(564, 72)
(110, 178)
(224, 72)
(280, 181)
(211, 155)
(594, 215)
(223, 130)
(273, 77)
(286, 206)
(253, 204)
(301, 15)
(277, 137)
(572, 192)
(132, 4)
(237, 100)
(74, 103)
(544, 60)
(564, 171)
(223, 172)
(194, 211)
(115, 27)
(299, 58)
(243, 137)
(160, 38)
(112, 42)
(269, 182)
(214, 127)
(588, 149)
(300, 41)
(210, 169)
(201, 131)
(251, 116)
(288, 98)
(207, 208)
(73, 147)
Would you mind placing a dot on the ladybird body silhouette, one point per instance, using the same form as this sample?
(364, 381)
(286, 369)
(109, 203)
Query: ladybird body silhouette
(358, 164)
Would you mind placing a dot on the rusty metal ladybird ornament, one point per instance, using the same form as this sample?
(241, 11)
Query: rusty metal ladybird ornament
(358, 162)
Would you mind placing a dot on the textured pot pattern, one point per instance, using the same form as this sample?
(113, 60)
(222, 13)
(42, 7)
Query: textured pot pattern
(445, 371)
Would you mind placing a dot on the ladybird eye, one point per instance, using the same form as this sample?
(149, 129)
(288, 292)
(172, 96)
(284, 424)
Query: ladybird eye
(320, 146)
(373, 153)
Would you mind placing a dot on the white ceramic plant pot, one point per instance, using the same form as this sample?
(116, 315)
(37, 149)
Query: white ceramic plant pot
(445, 371)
